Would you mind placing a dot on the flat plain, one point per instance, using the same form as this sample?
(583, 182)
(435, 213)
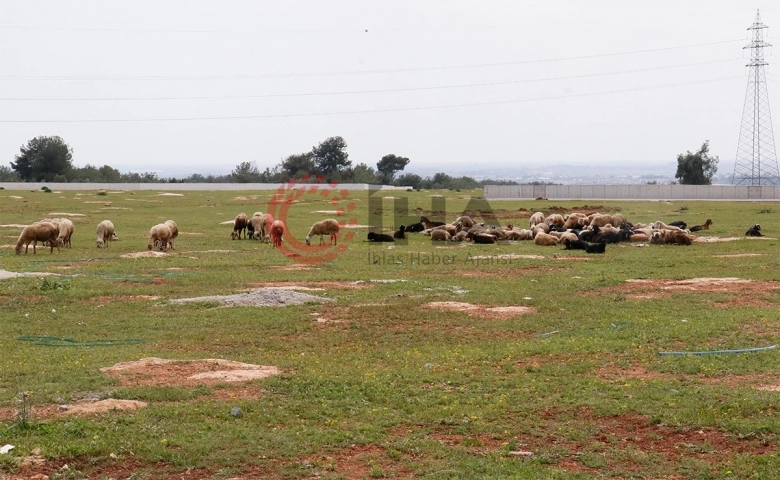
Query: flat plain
(416, 359)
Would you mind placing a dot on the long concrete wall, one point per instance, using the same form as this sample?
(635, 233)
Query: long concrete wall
(633, 192)
(179, 186)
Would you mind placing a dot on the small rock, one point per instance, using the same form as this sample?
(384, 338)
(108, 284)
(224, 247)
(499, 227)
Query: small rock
(53, 311)
(521, 453)
(236, 412)
(63, 407)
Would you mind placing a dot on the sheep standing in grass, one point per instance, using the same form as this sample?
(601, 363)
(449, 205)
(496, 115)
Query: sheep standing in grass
(266, 222)
(239, 225)
(328, 226)
(254, 226)
(159, 237)
(174, 232)
(277, 231)
(65, 228)
(38, 232)
(105, 233)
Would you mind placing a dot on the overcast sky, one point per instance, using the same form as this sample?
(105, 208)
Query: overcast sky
(195, 86)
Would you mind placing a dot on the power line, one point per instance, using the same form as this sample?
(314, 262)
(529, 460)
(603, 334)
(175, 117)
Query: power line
(360, 112)
(361, 92)
(355, 72)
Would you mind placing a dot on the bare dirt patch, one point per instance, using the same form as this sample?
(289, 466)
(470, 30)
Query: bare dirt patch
(481, 310)
(146, 254)
(738, 255)
(14, 225)
(102, 406)
(314, 286)
(508, 256)
(264, 297)
(162, 372)
(742, 292)
(5, 274)
(294, 267)
(65, 214)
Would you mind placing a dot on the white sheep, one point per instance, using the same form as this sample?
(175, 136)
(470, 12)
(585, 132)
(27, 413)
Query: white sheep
(440, 235)
(38, 232)
(105, 233)
(65, 228)
(545, 240)
(536, 219)
(159, 237)
(328, 226)
(267, 221)
(255, 225)
(174, 232)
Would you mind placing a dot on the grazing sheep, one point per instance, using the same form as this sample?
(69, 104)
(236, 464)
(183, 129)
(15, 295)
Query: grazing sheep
(698, 228)
(600, 247)
(430, 224)
(379, 237)
(401, 233)
(440, 235)
(65, 228)
(105, 233)
(38, 232)
(754, 231)
(276, 233)
(254, 227)
(545, 240)
(239, 225)
(415, 228)
(675, 237)
(329, 227)
(266, 222)
(535, 219)
(174, 232)
(159, 237)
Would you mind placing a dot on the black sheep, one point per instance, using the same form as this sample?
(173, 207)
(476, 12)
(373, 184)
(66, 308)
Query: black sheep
(754, 231)
(415, 227)
(379, 237)
(400, 233)
(612, 237)
(483, 238)
(596, 247)
(679, 223)
(570, 244)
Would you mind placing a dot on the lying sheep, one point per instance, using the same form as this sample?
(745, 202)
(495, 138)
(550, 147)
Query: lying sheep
(675, 237)
(328, 227)
(545, 240)
(600, 247)
(754, 231)
(45, 232)
(464, 220)
(276, 232)
(379, 237)
(239, 225)
(440, 235)
(400, 234)
(484, 238)
(705, 226)
(105, 233)
(429, 224)
(174, 232)
(575, 220)
(415, 227)
(159, 237)
(554, 219)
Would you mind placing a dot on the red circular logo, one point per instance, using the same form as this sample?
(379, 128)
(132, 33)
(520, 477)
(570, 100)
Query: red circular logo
(290, 194)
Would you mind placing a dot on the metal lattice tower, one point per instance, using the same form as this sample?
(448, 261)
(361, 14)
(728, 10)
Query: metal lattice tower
(756, 161)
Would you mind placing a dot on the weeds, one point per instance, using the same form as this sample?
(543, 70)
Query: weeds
(23, 417)
(53, 285)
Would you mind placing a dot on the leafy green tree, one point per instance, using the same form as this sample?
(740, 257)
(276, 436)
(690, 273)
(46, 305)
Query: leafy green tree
(389, 166)
(245, 172)
(697, 168)
(331, 156)
(298, 165)
(43, 159)
(8, 175)
(109, 174)
(409, 180)
(362, 173)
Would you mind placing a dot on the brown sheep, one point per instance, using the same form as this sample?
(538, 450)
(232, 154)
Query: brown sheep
(706, 226)
(554, 219)
(38, 232)
(439, 235)
(464, 220)
(328, 226)
(239, 225)
(65, 228)
(276, 233)
(575, 220)
(676, 237)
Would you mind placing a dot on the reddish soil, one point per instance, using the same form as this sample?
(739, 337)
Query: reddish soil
(741, 292)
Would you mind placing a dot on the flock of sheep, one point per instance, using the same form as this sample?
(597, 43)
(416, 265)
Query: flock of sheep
(589, 232)
(56, 232)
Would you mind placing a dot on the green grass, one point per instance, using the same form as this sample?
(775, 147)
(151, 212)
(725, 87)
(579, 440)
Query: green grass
(390, 388)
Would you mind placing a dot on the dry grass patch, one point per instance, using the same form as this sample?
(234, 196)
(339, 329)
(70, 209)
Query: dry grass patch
(481, 310)
(743, 292)
(154, 371)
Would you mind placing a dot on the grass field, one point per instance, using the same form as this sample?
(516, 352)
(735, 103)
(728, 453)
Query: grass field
(382, 382)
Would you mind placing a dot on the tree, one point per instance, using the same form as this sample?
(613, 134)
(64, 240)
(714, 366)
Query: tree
(409, 180)
(697, 168)
(362, 173)
(43, 159)
(298, 165)
(330, 156)
(389, 166)
(8, 175)
(245, 172)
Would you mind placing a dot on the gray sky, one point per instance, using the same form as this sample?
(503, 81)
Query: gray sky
(195, 86)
